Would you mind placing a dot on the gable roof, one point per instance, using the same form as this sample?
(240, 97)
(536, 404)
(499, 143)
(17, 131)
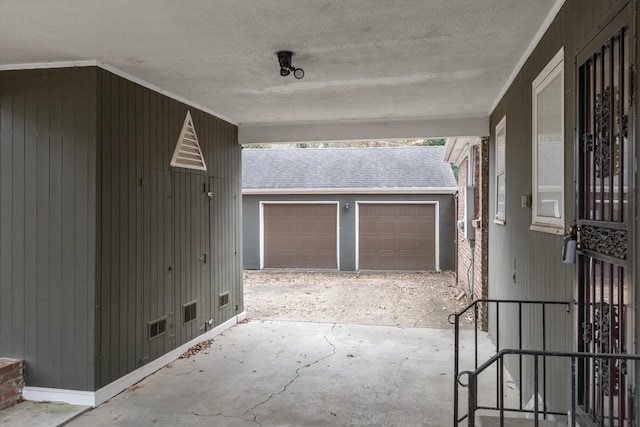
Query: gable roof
(339, 170)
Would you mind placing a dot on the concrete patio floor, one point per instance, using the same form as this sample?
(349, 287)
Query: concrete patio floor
(281, 373)
(274, 373)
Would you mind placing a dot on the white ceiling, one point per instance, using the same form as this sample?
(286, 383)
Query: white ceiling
(416, 67)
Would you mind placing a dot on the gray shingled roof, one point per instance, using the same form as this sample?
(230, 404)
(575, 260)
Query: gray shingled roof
(348, 168)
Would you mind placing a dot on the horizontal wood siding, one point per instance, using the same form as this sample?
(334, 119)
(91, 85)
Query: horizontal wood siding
(154, 242)
(47, 224)
(525, 264)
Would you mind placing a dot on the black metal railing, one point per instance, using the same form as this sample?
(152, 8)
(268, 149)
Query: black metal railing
(540, 409)
(480, 310)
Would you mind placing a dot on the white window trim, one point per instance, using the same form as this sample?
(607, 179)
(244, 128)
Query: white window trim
(501, 127)
(554, 68)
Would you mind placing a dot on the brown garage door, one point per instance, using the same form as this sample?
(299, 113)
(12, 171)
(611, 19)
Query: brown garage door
(397, 237)
(300, 236)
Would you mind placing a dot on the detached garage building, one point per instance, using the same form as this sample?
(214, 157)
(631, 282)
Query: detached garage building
(348, 209)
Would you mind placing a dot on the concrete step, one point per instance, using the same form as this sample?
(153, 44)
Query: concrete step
(494, 421)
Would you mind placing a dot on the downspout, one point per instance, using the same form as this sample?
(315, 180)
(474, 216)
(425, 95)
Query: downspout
(468, 225)
(456, 202)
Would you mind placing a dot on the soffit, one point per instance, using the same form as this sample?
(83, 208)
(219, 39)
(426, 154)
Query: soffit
(365, 62)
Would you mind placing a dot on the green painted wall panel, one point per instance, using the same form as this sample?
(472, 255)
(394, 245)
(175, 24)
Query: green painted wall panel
(90, 245)
(154, 225)
(47, 223)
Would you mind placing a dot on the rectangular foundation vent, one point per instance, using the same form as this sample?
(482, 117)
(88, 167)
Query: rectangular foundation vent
(224, 299)
(189, 312)
(157, 327)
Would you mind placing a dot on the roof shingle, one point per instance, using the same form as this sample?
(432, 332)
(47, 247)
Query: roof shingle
(348, 168)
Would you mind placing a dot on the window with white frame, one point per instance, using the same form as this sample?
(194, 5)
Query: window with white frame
(548, 147)
(500, 172)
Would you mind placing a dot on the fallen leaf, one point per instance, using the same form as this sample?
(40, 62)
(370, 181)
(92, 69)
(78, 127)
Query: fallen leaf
(196, 349)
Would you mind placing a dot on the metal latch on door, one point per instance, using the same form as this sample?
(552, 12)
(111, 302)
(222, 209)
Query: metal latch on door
(569, 245)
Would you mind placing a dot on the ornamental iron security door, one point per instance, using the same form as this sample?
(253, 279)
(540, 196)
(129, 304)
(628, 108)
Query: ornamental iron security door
(603, 220)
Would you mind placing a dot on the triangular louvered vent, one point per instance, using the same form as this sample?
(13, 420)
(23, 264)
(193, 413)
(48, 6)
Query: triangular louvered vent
(187, 153)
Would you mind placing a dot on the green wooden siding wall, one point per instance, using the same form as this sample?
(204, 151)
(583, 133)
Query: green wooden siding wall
(47, 224)
(99, 235)
(526, 264)
(162, 242)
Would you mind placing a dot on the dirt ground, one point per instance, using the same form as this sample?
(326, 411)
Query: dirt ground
(415, 299)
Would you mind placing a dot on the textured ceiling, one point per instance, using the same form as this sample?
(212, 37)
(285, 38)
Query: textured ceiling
(368, 61)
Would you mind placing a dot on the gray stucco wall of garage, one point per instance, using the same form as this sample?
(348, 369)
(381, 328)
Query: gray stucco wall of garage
(347, 223)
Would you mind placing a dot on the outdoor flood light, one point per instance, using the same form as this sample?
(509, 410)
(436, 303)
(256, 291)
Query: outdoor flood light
(284, 58)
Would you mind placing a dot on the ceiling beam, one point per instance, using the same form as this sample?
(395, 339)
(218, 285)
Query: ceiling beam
(270, 133)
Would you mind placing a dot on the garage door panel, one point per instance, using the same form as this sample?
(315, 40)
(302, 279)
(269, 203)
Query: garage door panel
(367, 228)
(301, 244)
(397, 236)
(326, 244)
(300, 236)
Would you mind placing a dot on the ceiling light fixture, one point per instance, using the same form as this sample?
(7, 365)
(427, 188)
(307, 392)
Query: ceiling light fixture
(284, 58)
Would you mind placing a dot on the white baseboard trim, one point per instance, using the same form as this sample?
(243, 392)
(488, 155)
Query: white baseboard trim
(90, 398)
(72, 397)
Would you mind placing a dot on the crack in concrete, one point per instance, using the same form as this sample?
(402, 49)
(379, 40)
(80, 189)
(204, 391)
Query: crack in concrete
(241, 418)
(308, 365)
(196, 414)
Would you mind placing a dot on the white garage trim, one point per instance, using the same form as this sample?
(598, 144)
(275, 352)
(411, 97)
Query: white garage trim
(296, 202)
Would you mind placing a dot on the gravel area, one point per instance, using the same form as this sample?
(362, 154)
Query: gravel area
(415, 299)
